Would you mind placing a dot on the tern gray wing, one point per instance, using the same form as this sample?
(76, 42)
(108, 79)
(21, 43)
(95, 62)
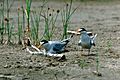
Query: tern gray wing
(85, 41)
(58, 47)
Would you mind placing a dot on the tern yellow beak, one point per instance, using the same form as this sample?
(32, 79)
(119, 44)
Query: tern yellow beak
(39, 46)
(78, 31)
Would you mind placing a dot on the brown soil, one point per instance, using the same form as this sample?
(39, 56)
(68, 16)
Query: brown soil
(98, 17)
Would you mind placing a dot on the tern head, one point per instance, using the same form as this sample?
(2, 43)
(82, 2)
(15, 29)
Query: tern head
(43, 42)
(81, 30)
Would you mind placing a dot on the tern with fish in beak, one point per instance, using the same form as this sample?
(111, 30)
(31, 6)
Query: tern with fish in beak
(86, 41)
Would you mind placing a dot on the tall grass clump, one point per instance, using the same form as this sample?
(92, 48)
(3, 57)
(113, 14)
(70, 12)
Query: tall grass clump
(9, 27)
(66, 14)
(23, 18)
(50, 18)
(26, 31)
(7, 20)
(27, 11)
(19, 28)
(35, 23)
(2, 22)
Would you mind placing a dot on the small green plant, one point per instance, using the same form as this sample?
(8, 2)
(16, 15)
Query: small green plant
(82, 63)
(97, 62)
(66, 14)
(97, 72)
(109, 44)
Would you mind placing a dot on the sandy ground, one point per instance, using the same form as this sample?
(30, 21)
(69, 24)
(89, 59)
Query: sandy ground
(98, 17)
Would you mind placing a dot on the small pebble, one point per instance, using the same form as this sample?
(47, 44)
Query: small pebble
(7, 66)
(97, 73)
